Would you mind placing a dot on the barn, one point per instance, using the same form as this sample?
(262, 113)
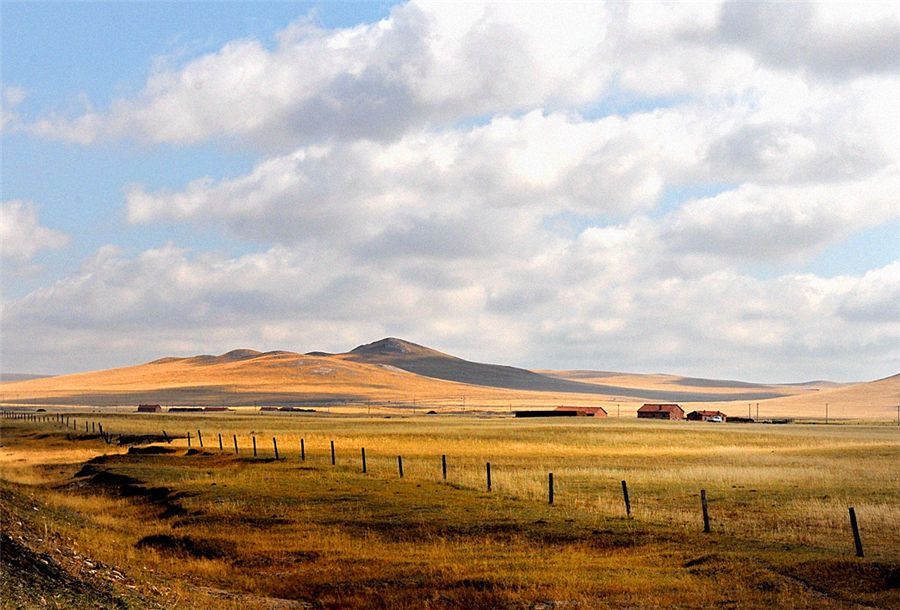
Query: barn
(585, 411)
(149, 409)
(660, 411)
(715, 416)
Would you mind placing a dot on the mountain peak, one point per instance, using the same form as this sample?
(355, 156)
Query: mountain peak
(390, 346)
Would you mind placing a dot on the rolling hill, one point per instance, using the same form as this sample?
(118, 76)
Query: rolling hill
(395, 373)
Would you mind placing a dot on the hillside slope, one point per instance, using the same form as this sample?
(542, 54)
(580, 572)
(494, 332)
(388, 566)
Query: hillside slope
(430, 363)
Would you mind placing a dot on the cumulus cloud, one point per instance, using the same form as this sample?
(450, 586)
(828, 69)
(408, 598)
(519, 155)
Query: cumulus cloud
(169, 300)
(21, 234)
(833, 40)
(502, 181)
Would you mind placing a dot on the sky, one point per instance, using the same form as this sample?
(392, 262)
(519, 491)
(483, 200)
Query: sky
(703, 189)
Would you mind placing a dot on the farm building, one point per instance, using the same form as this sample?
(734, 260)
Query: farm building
(149, 409)
(715, 416)
(268, 408)
(585, 411)
(217, 409)
(554, 413)
(660, 411)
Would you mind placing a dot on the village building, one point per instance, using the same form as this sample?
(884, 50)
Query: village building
(713, 416)
(660, 411)
(149, 409)
(585, 411)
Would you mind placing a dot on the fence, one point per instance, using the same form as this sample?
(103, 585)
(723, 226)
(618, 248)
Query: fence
(93, 429)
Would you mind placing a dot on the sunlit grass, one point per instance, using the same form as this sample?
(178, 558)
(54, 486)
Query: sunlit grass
(289, 527)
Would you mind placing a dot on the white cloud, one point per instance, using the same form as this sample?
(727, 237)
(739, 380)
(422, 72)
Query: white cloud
(21, 234)
(501, 180)
(571, 307)
(444, 62)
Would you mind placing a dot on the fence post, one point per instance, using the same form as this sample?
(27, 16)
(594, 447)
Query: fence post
(332, 453)
(363, 449)
(444, 466)
(254, 446)
(275, 445)
(302, 451)
(400, 465)
(93, 427)
(625, 495)
(488, 476)
(220, 441)
(235, 444)
(165, 436)
(189, 439)
(200, 438)
(856, 539)
(550, 482)
(705, 511)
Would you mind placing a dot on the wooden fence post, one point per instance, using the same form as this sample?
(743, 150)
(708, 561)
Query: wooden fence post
(400, 465)
(550, 486)
(200, 438)
(332, 453)
(363, 449)
(275, 445)
(235, 444)
(705, 511)
(625, 495)
(488, 467)
(444, 466)
(165, 436)
(220, 441)
(254, 446)
(302, 451)
(856, 539)
(189, 438)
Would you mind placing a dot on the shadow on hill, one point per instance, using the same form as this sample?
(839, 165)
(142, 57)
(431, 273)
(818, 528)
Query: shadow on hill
(430, 363)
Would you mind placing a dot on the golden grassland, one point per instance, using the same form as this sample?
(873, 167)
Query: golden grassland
(238, 531)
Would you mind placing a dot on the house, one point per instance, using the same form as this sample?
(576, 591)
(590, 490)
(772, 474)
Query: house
(585, 411)
(149, 409)
(660, 411)
(554, 413)
(714, 416)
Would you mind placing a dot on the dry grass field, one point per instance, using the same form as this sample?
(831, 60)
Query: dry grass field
(168, 525)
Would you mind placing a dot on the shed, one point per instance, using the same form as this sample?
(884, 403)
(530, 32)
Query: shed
(714, 416)
(149, 409)
(585, 411)
(660, 411)
(554, 413)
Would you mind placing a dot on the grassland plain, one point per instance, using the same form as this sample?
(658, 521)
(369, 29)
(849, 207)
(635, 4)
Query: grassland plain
(204, 528)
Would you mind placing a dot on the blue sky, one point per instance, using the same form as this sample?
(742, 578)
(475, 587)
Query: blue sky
(638, 187)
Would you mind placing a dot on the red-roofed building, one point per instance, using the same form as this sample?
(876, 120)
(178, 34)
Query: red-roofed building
(714, 416)
(585, 411)
(660, 411)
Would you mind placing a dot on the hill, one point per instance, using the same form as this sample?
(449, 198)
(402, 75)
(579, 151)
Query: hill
(399, 374)
(430, 363)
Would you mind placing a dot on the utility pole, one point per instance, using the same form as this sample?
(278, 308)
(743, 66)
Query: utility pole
(826, 412)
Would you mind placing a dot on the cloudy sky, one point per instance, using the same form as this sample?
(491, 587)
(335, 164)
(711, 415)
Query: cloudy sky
(702, 189)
